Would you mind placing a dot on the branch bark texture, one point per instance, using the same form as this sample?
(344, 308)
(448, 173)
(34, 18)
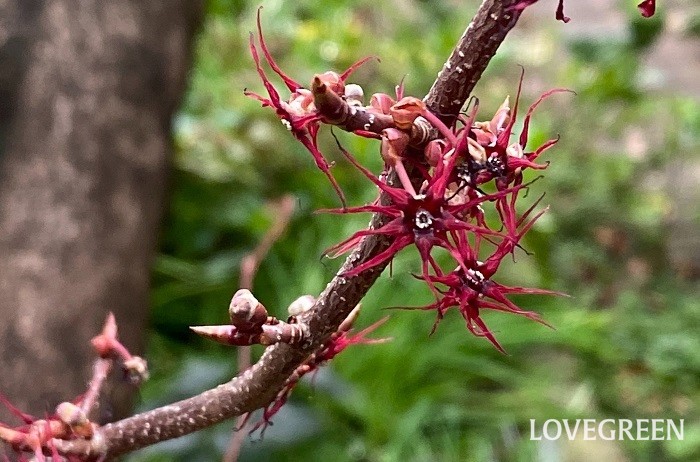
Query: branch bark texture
(84, 160)
(257, 386)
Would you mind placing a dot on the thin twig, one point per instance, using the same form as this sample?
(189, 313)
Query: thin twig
(100, 371)
(282, 211)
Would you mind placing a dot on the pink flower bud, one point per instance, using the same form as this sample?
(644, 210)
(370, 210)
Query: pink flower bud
(301, 305)
(246, 312)
(354, 94)
(300, 103)
(333, 81)
(394, 143)
(435, 151)
(501, 117)
(381, 102)
(476, 151)
(71, 414)
(647, 8)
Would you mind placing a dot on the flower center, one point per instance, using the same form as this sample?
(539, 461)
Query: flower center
(495, 166)
(464, 175)
(473, 279)
(423, 220)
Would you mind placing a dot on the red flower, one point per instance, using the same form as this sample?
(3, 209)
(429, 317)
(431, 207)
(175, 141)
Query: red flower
(487, 149)
(425, 219)
(298, 114)
(470, 287)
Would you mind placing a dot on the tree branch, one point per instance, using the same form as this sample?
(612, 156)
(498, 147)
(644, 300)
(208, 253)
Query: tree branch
(257, 386)
(473, 52)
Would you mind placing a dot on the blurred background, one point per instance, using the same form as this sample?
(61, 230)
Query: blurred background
(621, 237)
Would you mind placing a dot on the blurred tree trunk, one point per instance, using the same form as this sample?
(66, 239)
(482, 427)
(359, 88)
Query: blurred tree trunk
(87, 92)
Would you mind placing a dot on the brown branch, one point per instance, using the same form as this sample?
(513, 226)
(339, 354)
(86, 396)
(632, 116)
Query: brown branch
(337, 111)
(257, 386)
(473, 52)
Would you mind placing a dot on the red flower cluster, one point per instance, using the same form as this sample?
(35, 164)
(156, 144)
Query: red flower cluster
(299, 114)
(447, 212)
(70, 419)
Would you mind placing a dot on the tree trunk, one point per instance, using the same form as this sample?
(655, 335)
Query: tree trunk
(87, 92)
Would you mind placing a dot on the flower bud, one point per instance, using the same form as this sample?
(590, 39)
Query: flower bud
(71, 414)
(354, 95)
(647, 8)
(74, 417)
(405, 111)
(435, 151)
(476, 151)
(394, 143)
(333, 81)
(501, 117)
(487, 132)
(381, 102)
(246, 312)
(301, 305)
(136, 370)
(300, 103)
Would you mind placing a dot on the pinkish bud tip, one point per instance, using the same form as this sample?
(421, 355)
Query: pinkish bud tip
(227, 335)
(647, 8)
(110, 327)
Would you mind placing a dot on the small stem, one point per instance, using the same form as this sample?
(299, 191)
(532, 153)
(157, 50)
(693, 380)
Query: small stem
(283, 211)
(405, 180)
(439, 124)
(100, 371)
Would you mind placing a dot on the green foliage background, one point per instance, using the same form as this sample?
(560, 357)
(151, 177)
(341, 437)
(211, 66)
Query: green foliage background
(626, 343)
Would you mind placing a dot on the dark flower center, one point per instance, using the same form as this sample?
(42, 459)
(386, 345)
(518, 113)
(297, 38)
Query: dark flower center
(464, 175)
(472, 279)
(423, 220)
(495, 166)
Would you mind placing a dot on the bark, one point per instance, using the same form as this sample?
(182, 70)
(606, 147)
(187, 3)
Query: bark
(87, 92)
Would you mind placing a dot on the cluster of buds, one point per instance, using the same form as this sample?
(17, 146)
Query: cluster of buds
(108, 347)
(71, 420)
(448, 211)
(300, 113)
(331, 100)
(251, 324)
